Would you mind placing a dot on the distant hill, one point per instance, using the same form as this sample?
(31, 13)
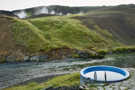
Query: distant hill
(51, 10)
(119, 21)
(65, 10)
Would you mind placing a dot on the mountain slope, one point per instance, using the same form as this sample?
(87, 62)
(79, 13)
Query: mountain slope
(119, 22)
(45, 35)
(58, 37)
(18, 38)
(42, 11)
(60, 30)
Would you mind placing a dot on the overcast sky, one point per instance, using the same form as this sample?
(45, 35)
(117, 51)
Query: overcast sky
(21, 4)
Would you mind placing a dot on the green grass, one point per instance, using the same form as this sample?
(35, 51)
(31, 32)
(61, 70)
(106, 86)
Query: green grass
(68, 32)
(46, 34)
(104, 12)
(65, 80)
(27, 35)
(117, 50)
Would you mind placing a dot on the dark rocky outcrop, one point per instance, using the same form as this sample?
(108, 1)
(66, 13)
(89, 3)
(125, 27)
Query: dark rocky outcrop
(9, 13)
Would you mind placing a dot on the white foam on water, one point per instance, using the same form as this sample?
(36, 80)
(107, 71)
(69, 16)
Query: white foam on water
(110, 76)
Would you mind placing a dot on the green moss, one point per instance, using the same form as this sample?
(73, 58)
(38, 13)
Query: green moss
(56, 32)
(103, 51)
(29, 14)
(65, 80)
(2, 59)
(116, 50)
(28, 35)
(75, 55)
(125, 49)
(103, 12)
(64, 31)
(47, 33)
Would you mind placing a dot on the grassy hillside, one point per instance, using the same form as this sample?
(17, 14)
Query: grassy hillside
(33, 36)
(62, 36)
(119, 21)
(58, 32)
(67, 32)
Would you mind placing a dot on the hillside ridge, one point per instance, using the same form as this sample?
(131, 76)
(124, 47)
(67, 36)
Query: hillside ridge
(88, 35)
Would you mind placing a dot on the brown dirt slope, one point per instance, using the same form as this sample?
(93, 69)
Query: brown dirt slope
(8, 46)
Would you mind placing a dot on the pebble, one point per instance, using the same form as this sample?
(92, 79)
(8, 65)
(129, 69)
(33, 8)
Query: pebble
(123, 88)
(100, 88)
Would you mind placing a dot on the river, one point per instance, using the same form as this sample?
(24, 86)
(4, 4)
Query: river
(16, 73)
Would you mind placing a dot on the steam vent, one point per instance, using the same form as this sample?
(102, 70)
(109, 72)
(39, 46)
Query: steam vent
(102, 74)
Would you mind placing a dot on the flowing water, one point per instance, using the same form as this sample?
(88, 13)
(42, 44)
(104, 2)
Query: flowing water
(12, 74)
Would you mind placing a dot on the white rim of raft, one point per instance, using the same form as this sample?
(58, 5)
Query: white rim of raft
(121, 71)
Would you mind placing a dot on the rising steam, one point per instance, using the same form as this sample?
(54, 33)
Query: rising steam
(52, 12)
(39, 11)
(42, 10)
(21, 14)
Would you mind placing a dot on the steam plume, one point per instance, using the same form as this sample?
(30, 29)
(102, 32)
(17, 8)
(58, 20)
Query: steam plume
(21, 14)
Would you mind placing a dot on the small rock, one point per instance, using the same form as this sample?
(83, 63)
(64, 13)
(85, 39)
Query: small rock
(100, 88)
(115, 88)
(34, 58)
(43, 58)
(10, 59)
(108, 88)
(26, 58)
(83, 54)
(123, 88)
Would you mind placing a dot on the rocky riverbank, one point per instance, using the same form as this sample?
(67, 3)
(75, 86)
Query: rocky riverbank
(57, 54)
(23, 73)
(33, 72)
